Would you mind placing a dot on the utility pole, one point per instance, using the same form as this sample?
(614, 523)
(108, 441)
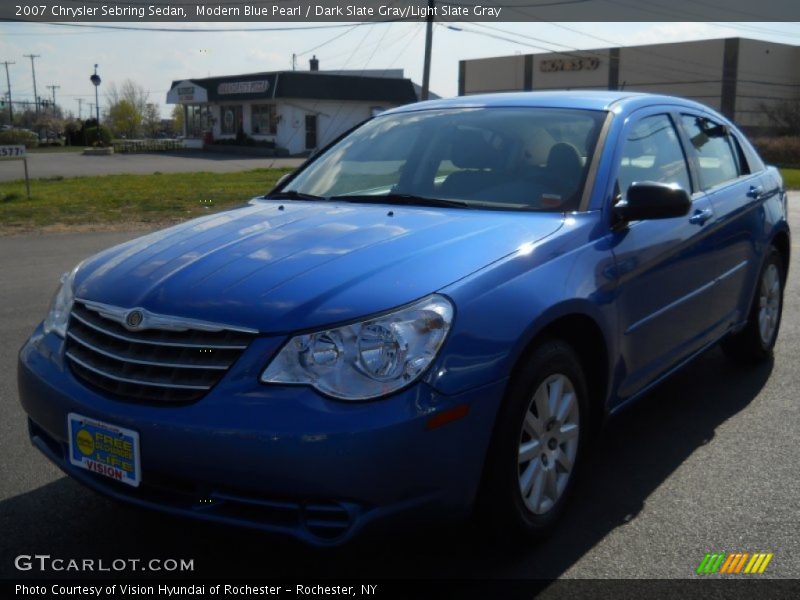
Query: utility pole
(80, 106)
(426, 70)
(8, 82)
(91, 108)
(53, 88)
(33, 71)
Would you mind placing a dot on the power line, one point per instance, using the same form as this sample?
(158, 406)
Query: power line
(341, 105)
(326, 42)
(316, 103)
(209, 30)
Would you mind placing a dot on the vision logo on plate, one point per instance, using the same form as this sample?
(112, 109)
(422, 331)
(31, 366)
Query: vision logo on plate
(84, 442)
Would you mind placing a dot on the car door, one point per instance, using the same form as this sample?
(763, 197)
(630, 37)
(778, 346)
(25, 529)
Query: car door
(663, 277)
(735, 190)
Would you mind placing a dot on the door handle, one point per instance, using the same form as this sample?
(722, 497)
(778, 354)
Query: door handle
(755, 191)
(701, 216)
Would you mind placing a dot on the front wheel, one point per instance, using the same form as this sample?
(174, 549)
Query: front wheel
(537, 445)
(755, 342)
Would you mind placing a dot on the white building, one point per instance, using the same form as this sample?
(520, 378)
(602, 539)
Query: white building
(293, 111)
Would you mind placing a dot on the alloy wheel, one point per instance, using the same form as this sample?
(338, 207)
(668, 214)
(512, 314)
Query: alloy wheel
(548, 443)
(769, 303)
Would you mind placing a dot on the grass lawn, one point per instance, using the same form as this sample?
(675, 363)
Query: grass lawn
(791, 178)
(127, 199)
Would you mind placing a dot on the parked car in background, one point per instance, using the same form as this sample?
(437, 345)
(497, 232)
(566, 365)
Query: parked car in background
(429, 317)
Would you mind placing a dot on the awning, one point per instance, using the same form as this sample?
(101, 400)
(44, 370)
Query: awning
(187, 92)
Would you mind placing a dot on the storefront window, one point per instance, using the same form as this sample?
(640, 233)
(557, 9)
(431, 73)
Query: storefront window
(231, 119)
(264, 119)
(198, 120)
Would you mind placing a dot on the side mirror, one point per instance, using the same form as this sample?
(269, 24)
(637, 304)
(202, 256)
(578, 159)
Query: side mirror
(653, 200)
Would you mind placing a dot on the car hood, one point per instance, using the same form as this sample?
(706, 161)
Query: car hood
(279, 267)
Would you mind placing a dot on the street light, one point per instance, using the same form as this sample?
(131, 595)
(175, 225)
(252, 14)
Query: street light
(95, 79)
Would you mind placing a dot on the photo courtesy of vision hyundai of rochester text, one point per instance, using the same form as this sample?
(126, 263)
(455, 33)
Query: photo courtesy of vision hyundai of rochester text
(429, 318)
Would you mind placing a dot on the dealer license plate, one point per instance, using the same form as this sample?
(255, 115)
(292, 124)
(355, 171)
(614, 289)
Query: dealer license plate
(105, 449)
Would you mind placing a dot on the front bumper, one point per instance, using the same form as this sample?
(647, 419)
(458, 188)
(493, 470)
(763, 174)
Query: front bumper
(282, 459)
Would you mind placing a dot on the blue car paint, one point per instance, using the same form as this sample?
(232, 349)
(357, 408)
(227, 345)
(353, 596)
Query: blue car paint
(659, 292)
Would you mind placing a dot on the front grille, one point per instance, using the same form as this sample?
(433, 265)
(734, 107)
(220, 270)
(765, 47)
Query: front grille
(153, 364)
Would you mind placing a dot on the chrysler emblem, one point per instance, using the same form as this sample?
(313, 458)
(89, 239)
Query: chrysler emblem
(134, 319)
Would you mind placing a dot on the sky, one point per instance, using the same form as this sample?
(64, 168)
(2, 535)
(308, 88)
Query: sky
(154, 59)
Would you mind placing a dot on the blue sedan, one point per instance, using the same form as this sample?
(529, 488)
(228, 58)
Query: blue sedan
(431, 317)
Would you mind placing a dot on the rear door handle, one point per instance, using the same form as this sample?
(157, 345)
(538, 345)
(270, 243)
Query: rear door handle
(701, 216)
(755, 191)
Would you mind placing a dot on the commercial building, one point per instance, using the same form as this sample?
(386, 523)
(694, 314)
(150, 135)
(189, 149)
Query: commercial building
(295, 111)
(740, 77)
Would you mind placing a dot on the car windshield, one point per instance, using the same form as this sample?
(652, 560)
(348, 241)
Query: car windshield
(502, 158)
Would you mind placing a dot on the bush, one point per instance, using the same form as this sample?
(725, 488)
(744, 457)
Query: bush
(19, 136)
(780, 151)
(96, 136)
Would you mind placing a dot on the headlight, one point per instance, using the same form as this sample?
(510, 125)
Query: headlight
(61, 306)
(367, 359)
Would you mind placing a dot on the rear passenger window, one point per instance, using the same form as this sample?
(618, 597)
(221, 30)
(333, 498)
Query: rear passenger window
(652, 152)
(715, 154)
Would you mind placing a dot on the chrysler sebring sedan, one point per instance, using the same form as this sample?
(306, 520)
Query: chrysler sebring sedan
(428, 319)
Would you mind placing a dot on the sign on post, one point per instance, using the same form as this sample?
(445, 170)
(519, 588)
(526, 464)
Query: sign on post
(17, 152)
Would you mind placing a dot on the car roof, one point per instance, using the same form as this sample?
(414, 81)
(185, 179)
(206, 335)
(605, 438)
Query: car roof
(619, 101)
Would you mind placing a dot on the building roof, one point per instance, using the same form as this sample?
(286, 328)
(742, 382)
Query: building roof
(314, 85)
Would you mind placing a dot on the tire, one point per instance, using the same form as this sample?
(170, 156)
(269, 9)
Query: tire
(755, 342)
(526, 483)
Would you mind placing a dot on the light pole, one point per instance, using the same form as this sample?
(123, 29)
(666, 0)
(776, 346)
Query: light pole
(95, 79)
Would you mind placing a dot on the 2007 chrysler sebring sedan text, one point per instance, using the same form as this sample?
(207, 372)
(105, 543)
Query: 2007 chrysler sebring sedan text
(429, 317)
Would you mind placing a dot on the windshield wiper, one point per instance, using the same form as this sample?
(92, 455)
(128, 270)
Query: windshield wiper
(293, 195)
(402, 199)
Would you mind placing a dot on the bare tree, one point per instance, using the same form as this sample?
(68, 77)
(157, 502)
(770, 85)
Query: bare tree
(128, 90)
(151, 119)
(784, 115)
(126, 107)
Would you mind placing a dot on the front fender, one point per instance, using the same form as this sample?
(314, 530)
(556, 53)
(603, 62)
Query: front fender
(502, 308)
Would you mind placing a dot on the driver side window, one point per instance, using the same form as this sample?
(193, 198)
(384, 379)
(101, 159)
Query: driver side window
(652, 152)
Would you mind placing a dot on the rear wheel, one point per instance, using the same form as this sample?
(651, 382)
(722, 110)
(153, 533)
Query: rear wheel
(755, 342)
(537, 445)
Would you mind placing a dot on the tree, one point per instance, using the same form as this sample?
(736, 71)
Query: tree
(130, 91)
(151, 119)
(124, 119)
(177, 119)
(784, 115)
(127, 105)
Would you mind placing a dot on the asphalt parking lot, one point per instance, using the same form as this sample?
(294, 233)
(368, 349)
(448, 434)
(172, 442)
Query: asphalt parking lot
(708, 462)
(73, 164)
